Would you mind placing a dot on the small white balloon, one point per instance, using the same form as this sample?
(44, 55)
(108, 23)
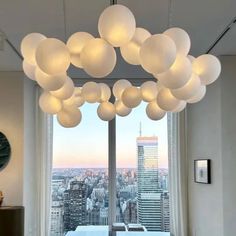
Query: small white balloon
(52, 56)
(74, 100)
(106, 111)
(189, 89)
(181, 39)
(199, 95)
(149, 91)
(180, 107)
(154, 112)
(117, 25)
(178, 74)
(119, 87)
(207, 67)
(65, 91)
(131, 97)
(191, 58)
(29, 45)
(69, 117)
(29, 70)
(75, 44)
(166, 100)
(105, 92)
(98, 58)
(91, 92)
(130, 50)
(121, 109)
(49, 104)
(157, 53)
(50, 82)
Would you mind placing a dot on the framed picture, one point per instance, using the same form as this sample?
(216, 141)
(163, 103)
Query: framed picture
(202, 171)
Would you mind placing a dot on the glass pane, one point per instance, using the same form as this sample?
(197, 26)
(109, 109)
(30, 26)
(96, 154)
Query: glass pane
(80, 174)
(142, 171)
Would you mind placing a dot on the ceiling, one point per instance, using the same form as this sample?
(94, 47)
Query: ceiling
(204, 20)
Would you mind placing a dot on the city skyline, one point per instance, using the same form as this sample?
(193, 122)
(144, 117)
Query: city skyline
(72, 147)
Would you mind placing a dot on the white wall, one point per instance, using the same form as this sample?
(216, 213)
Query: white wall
(212, 134)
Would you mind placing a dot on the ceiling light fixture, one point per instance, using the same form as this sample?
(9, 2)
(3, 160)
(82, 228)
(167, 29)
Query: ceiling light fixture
(181, 78)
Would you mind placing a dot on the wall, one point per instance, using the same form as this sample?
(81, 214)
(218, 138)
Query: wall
(12, 124)
(211, 134)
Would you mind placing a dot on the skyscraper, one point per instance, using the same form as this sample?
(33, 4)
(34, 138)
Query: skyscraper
(149, 194)
(165, 211)
(75, 205)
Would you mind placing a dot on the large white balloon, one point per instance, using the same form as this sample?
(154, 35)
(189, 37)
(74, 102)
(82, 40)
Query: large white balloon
(50, 82)
(154, 112)
(105, 92)
(98, 58)
(180, 107)
(178, 74)
(75, 44)
(117, 25)
(149, 91)
(166, 100)
(65, 91)
(121, 109)
(199, 95)
(52, 56)
(29, 70)
(157, 53)
(130, 51)
(207, 67)
(181, 39)
(49, 104)
(189, 89)
(69, 117)
(106, 111)
(29, 45)
(91, 92)
(119, 87)
(131, 97)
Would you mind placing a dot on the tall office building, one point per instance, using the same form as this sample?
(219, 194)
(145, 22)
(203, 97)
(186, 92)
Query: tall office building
(75, 205)
(56, 218)
(149, 194)
(165, 211)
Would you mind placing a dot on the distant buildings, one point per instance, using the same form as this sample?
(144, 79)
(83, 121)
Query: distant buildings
(165, 211)
(57, 218)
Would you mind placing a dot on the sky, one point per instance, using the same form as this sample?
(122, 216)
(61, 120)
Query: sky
(86, 146)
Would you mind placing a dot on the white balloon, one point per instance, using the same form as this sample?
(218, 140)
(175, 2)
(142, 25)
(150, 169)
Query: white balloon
(207, 67)
(149, 91)
(154, 112)
(119, 87)
(121, 109)
(74, 100)
(29, 70)
(49, 104)
(69, 117)
(199, 95)
(52, 56)
(105, 92)
(178, 74)
(189, 89)
(131, 97)
(191, 58)
(117, 25)
(65, 91)
(181, 39)
(166, 100)
(157, 53)
(75, 44)
(50, 82)
(29, 45)
(91, 92)
(130, 50)
(106, 111)
(98, 58)
(180, 107)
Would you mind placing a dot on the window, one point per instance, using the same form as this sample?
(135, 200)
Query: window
(80, 180)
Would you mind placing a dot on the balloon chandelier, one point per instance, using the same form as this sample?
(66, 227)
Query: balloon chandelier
(181, 78)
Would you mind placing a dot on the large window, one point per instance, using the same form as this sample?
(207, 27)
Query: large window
(80, 180)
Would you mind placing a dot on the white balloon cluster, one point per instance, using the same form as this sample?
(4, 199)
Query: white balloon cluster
(181, 78)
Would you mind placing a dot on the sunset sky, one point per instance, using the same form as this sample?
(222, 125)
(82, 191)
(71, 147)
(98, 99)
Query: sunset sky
(86, 146)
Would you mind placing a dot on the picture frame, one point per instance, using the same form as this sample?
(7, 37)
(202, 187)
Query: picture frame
(202, 171)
